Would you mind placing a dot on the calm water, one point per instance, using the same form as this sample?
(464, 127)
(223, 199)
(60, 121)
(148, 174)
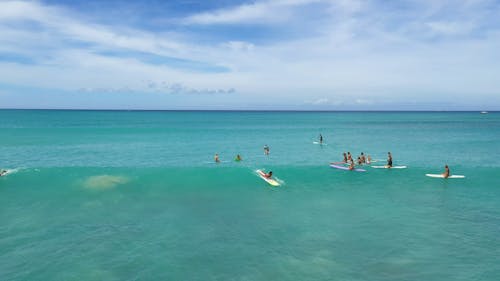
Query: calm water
(115, 195)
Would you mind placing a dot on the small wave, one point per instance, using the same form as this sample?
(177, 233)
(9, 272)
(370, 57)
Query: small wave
(104, 181)
(9, 171)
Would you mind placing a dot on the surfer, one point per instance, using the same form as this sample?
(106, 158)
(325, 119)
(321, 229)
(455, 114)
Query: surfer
(268, 175)
(360, 162)
(238, 158)
(446, 173)
(216, 158)
(320, 139)
(266, 149)
(3, 172)
(349, 157)
(368, 159)
(345, 158)
(363, 158)
(389, 160)
(351, 167)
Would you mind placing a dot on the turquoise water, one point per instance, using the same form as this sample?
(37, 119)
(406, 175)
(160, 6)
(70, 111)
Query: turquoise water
(116, 195)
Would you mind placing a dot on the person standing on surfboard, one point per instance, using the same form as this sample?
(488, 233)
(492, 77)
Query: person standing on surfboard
(389, 160)
(320, 139)
(446, 173)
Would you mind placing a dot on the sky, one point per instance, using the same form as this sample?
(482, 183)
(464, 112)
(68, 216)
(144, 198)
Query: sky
(256, 55)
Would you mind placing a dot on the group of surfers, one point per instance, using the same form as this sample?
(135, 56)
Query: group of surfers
(362, 159)
(348, 159)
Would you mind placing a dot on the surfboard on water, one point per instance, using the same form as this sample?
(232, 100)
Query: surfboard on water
(213, 162)
(346, 168)
(386, 167)
(441, 176)
(270, 181)
(317, 142)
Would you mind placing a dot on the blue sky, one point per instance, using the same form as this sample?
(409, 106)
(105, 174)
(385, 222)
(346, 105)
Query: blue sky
(283, 54)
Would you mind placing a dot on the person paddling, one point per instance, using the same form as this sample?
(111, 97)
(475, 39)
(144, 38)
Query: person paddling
(268, 175)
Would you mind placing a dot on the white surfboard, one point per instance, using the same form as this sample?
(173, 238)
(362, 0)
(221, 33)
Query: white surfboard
(441, 176)
(386, 167)
(320, 143)
(346, 168)
(270, 181)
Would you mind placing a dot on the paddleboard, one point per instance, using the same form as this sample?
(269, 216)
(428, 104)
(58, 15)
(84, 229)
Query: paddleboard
(346, 168)
(441, 176)
(393, 167)
(270, 181)
(317, 142)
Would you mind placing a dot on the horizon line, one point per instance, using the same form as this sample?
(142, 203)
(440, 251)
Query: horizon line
(247, 110)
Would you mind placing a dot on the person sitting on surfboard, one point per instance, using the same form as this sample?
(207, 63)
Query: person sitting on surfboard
(268, 175)
(389, 160)
(368, 159)
(345, 158)
(238, 158)
(351, 166)
(446, 173)
(349, 157)
(360, 162)
(216, 158)
(363, 159)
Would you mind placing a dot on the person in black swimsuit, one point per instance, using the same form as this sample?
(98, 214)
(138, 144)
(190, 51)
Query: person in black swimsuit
(389, 160)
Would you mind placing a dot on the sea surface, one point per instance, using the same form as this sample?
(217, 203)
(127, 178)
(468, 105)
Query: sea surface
(136, 195)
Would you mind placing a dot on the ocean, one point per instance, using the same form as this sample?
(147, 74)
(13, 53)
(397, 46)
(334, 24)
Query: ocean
(136, 195)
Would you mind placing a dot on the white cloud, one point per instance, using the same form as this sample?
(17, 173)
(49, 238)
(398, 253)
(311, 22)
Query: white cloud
(450, 28)
(355, 56)
(262, 12)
